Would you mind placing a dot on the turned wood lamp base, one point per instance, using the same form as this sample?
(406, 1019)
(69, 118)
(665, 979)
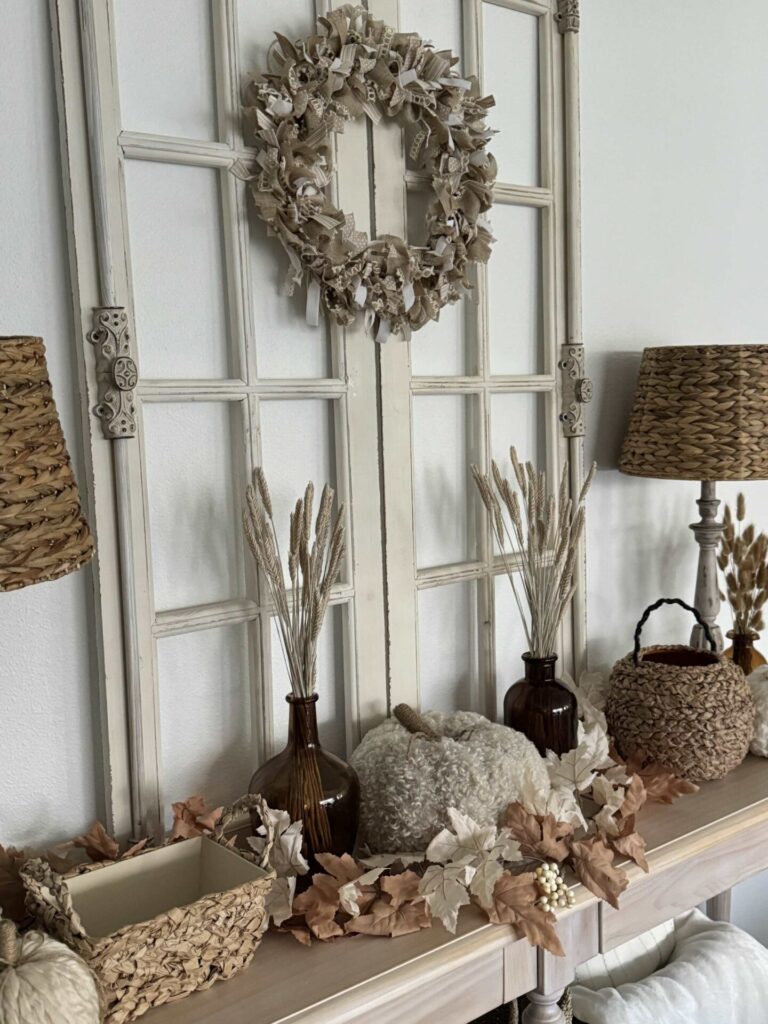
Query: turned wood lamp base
(708, 532)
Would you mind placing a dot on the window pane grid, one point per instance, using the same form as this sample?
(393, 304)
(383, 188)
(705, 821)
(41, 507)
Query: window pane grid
(254, 611)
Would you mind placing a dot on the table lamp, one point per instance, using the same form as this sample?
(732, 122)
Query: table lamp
(43, 534)
(701, 413)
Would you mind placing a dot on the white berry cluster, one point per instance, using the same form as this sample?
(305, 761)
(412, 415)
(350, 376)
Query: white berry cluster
(555, 895)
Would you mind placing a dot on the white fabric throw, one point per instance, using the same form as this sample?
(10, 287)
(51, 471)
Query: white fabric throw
(717, 974)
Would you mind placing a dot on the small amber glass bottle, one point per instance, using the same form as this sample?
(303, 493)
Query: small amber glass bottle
(541, 708)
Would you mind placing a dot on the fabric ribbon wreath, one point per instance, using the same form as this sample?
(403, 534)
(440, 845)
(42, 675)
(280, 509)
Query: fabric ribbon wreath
(357, 66)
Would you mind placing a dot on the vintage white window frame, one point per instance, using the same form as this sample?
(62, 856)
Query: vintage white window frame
(371, 388)
(558, 197)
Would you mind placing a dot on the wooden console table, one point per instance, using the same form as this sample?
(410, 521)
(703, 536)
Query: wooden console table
(697, 850)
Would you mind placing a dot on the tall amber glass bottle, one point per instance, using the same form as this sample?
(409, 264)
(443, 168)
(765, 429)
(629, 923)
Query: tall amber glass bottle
(541, 708)
(313, 785)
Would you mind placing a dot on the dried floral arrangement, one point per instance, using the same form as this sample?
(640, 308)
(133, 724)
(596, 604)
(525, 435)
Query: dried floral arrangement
(313, 568)
(545, 533)
(743, 560)
(357, 66)
(516, 872)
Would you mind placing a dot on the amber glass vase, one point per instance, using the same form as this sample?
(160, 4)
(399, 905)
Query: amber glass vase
(541, 708)
(313, 785)
(743, 651)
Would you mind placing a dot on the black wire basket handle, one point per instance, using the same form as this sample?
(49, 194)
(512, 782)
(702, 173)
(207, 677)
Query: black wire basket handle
(688, 608)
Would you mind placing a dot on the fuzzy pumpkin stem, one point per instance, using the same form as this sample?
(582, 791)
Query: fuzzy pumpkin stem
(414, 722)
(10, 944)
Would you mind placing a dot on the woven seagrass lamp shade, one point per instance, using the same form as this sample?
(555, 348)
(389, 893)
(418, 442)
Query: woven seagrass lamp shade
(43, 534)
(701, 413)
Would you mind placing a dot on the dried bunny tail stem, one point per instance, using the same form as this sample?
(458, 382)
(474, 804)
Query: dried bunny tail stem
(741, 507)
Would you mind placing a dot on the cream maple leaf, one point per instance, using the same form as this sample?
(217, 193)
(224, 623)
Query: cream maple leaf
(279, 901)
(577, 768)
(605, 821)
(446, 890)
(350, 893)
(562, 804)
(483, 847)
(606, 794)
(285, 857)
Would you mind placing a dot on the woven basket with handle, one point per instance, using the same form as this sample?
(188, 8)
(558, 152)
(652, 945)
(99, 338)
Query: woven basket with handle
(689, 710)
(174, 953)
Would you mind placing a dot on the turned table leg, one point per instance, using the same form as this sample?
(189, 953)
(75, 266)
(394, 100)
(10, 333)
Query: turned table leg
(543, 1008)
(719, 907)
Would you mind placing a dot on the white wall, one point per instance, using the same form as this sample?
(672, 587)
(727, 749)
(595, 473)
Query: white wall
(675, 230)
(50, 776)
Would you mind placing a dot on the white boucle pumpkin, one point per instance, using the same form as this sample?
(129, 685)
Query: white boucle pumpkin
(408, 782)
(42, 981)
(758, 684)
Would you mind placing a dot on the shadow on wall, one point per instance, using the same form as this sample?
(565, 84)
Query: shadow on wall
(639, 546)
(615, 390)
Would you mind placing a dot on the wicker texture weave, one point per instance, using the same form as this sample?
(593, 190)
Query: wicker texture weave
(700, 413)
(697, 719)
(43, 534)
(170, 956)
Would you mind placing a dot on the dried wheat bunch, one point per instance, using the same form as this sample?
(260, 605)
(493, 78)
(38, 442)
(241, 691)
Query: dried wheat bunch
(545, 534)
(743, 560)
(313, 568)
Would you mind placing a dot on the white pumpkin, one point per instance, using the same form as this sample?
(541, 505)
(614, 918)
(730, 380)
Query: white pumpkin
(44, 982)
(408, 780)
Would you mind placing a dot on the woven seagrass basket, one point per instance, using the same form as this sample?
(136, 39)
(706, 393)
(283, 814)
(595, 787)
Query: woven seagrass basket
(164, 951)
(43, 534)
(689, 710)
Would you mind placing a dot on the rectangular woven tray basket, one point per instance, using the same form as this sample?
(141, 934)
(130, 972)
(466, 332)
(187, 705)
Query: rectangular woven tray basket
(171, 953)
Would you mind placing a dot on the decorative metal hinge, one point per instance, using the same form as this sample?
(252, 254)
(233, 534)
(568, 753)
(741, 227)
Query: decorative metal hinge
(567, 16)
(115, 370)
(577, 390)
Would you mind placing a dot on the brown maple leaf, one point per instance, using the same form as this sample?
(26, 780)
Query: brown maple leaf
(343, 869)
(540, 836)
(661, 784)
(664, 787)
(59, 858)
(298, 931)
(634, 796)
(514, 902)
(392, 919)
(11, 885)
(319, 905)
(592, 861)
(135, 849)
(191, 818)
(97, 843)
(402, 888)
(628, 843)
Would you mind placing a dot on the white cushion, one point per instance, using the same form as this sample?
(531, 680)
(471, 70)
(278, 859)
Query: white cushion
(717, 975)
(632, 961)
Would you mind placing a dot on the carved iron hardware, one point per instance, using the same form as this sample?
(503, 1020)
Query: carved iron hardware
(567, 16)
(577, 390)
(115, 370)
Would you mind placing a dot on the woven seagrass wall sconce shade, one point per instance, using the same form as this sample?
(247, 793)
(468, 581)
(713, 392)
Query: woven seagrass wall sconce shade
(701, 413)
(43, 534)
